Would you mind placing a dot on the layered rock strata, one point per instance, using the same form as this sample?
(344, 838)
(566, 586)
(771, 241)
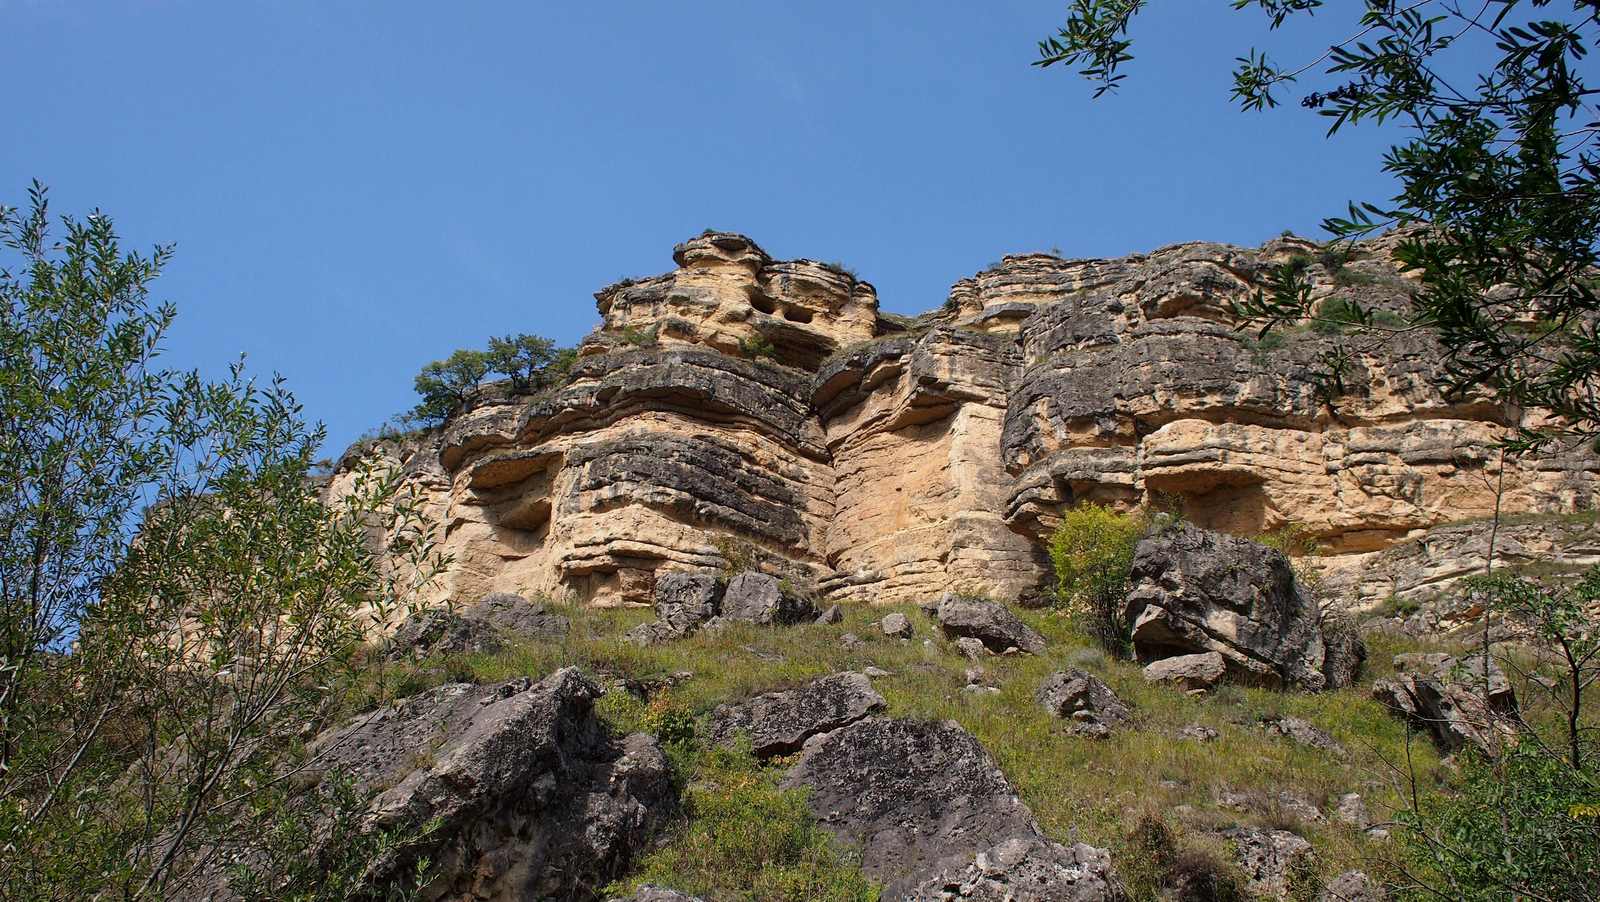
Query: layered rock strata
(742, 411)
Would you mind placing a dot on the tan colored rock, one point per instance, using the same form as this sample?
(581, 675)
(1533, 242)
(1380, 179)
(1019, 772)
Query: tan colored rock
(740, 411)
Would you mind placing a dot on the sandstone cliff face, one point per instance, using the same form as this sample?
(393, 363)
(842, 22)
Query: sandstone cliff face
(744, 407)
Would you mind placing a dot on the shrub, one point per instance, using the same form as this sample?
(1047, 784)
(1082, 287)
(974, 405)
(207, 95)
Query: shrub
(1529, 800)
(1092, 551)
(642, 338)
(756, 347)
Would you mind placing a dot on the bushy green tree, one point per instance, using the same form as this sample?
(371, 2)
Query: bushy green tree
(1498, 173)
(445, 385)
(530, 362)
(1092, 551)
(176, 598)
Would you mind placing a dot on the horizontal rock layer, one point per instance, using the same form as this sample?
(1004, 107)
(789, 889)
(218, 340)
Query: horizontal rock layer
(743, 412)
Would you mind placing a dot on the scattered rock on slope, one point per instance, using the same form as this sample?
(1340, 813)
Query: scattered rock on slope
(989, 622)
(532, 796)
(921, 800)
(1196, 591)
(1273, 860)
(1089, 703)
(896, 626)
(1026, 870)
(1189, 673)
(1446, 696)
(649, 893)
(1303, 732)
(483, 626)
(780, 722)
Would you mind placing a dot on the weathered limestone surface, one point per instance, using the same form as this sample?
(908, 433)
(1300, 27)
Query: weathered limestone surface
(749, 411)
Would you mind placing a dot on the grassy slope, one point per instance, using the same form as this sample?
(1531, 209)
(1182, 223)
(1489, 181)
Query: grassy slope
(1080, 789)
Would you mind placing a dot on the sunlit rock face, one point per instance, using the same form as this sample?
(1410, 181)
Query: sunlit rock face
(740, 409)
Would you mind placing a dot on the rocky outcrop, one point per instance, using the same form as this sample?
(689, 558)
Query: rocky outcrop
(744, 412)
(1458, 701)
(779, 723)
(1194, 591)
(922, 801)
(527, 793)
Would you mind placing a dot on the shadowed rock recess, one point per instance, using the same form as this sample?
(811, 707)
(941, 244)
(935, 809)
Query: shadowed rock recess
(741, 407)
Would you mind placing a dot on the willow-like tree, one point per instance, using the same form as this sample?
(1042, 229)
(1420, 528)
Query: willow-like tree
(176, 597)
(1497, 172)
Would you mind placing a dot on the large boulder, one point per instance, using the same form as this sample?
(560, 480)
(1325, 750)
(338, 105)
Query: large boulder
(1086, 701)
(484, 626)
(1459, 701)
(759, 598)
(989, 622)
(685, 601)
(1026, 870)
(920, 800)
(780, 722)
(528, 793)
(1196, 591)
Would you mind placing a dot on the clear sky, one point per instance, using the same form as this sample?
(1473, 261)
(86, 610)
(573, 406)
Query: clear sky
(357, 188)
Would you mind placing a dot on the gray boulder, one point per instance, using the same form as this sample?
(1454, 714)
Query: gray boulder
(917, 798)
(970, 648)
(896, 625)
(1459, 701)
(1093, 709)
(759, 598)
(834, 614)
(685, 601)
(1196, 591)
(1026, 870)
(778, 723)
(483, 626)
(1273, 861)
(1189, 673)
(532, 795)
(989, 622)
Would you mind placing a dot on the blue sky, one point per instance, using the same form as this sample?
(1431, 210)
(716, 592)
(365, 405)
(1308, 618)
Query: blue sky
(357, 188)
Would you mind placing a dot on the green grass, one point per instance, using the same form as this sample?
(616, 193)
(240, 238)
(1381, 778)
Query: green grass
(745, 838)
(1079, 789)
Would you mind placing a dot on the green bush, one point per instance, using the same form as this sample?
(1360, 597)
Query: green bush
(1529, 801)
(1092, 551)
(757, 347)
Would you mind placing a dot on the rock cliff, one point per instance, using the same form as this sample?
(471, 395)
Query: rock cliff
(741, 407)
